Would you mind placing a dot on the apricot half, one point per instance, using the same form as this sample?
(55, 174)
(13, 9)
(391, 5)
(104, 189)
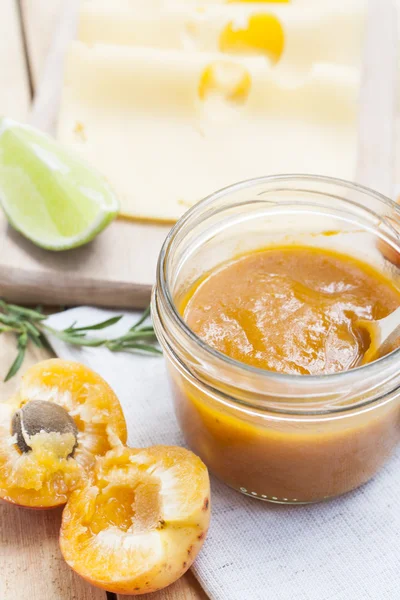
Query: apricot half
(139, 524)
(51, 432)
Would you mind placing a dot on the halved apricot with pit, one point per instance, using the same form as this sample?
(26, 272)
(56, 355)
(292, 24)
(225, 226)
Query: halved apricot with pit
(139, 524)
(62, 418)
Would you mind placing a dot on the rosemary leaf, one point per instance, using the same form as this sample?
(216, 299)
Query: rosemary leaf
(101, 325)
(147, 328)
(142, 319)
(32, 330)
(134, 335)
(71, 327)
(75, 340)
(20, 311)
(30, 326)
(9, 320)
(22, 342)
(16, 364)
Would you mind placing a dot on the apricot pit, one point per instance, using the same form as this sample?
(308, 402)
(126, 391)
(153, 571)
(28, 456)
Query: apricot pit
(39, 416)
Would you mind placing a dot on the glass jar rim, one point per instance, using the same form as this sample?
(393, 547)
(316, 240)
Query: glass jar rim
(162, 281)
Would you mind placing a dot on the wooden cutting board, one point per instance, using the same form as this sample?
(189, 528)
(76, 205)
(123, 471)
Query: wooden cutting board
(118, 268)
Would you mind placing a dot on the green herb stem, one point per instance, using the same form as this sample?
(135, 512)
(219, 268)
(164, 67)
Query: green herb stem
(30, 326)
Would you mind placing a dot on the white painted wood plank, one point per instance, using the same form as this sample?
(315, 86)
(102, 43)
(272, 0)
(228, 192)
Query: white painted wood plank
(378, 99)
(48, 92)
(40, 19)
(14, 87)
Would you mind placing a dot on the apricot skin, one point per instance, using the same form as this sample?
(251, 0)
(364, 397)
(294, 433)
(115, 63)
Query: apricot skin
(139, 587)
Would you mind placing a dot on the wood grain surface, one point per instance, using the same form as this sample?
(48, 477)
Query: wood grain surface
(116, 270)
(32, 567)
(186, 588)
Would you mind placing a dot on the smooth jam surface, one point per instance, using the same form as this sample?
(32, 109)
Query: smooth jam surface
(290, 309)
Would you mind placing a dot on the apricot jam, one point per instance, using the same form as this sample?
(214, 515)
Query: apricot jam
(289, 310)
(260, 291)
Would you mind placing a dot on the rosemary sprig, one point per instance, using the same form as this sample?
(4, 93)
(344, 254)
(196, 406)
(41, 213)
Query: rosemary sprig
(29, 326)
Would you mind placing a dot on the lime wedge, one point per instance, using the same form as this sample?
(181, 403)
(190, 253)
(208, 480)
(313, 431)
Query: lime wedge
(48, 194)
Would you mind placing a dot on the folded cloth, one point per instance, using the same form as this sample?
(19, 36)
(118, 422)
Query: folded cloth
(344, 549)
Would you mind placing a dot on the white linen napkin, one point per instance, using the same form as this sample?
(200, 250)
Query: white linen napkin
(345, 549)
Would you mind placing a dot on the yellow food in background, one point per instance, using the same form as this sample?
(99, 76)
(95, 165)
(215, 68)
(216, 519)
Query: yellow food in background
(224, 78)
(252, 37)
(299, 36)
(164, 143)
(172, 101)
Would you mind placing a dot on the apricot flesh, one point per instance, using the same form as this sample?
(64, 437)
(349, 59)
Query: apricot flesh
(137, 526)
(63, 417)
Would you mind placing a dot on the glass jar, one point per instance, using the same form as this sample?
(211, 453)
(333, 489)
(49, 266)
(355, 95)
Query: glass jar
(277, 437)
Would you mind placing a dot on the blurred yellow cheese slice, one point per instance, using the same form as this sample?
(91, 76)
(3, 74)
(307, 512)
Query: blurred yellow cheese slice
(168, 128)
(291, 36)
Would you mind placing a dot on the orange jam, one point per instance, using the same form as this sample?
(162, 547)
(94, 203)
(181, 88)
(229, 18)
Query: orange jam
(290, 310)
